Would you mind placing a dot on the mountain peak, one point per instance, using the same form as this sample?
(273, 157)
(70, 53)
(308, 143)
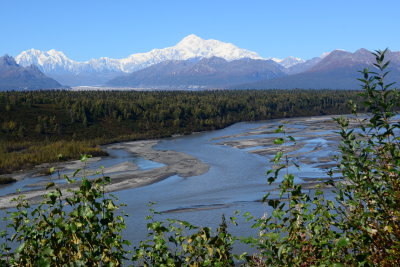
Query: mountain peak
(288, 62)
(325, 54)
(56, 63)
(33, 51)
(16, 77)
(54, 52)
(362, 51)
(191, 38)
(194, 46)
(7, 60)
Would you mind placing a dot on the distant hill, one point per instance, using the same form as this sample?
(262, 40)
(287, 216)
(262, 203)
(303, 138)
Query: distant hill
(338, 70)
(211, 72)
(303, 66)
(16, 77)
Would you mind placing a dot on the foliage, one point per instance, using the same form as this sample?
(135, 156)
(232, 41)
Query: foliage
(170, 245)
(362, 226)
(359, 227)
(371, 164)
(73, 228)
(298, 231)
(17, 155)
(35, 126)
(81, 227)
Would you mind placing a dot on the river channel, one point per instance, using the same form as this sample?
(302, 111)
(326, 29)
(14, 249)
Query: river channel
(238, 157)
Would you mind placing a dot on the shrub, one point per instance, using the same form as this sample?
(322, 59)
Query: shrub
(362, 226)
(76, 228)
(179, 243)
(370, 199)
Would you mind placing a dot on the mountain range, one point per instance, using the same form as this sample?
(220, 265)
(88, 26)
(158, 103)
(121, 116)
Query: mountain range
(197, 63)
(16, 77)
(214, 72)
(338, 70)
(98, 71)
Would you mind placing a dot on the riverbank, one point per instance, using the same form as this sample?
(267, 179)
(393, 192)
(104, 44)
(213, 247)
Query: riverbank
(39, 126)
(313, 135)
(124, 175)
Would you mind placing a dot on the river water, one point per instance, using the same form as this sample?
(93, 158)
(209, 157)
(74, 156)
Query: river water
(235, 181)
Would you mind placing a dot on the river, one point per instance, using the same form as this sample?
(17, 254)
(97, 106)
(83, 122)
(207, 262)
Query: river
(238, 157)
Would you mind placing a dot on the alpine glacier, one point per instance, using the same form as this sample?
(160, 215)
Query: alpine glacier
(191, 46)
(97, 71)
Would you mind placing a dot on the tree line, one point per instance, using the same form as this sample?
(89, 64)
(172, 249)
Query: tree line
(348, 221)
(73, 123)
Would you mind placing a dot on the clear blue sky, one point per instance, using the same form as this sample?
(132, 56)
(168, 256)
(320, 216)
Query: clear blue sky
(85, 29)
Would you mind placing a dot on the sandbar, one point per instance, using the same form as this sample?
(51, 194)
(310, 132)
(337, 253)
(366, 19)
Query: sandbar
(124, 175)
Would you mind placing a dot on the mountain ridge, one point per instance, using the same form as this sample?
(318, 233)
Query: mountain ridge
(211, 72)
(97, 71)
(337, 67)
(16, 77)
(337, 70)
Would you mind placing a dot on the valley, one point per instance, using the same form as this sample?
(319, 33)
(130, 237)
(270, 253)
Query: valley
(38, 126)
(198, 64)
(201, 176)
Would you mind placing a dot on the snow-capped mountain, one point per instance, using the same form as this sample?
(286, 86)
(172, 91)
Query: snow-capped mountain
(96, 71)
(211, 72)
(16, 77)
(50, 61)
(338, 69)
(189, 47)
(288, 61)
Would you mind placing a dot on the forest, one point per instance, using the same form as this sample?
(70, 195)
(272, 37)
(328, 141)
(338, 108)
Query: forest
(350, 221)
(37, 126)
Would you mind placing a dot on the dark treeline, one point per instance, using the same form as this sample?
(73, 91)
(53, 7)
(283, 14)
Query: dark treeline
(35, 123)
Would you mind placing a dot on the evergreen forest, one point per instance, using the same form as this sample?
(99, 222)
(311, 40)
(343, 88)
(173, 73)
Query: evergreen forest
(37, 126)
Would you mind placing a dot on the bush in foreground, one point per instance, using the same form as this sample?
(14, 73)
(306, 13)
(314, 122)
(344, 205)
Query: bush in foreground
(360, 227)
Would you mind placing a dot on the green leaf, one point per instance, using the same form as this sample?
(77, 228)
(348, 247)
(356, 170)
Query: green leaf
(273, 203)
(280, 129)
(49, 185)
(278, 156)
(43, 262)
(20, 248)
(85, 157)
(279, 141)
(342, 242)
(76, 172)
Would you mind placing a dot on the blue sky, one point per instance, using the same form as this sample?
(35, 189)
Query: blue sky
(85, 29)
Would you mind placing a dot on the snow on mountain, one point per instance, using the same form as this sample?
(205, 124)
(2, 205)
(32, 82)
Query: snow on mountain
(325, 54)
(56, 62)
(214, 72)
(192, 46)
(51, 59)
(16, 77)
(98, 71)
(288, 61)
(337, 70)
